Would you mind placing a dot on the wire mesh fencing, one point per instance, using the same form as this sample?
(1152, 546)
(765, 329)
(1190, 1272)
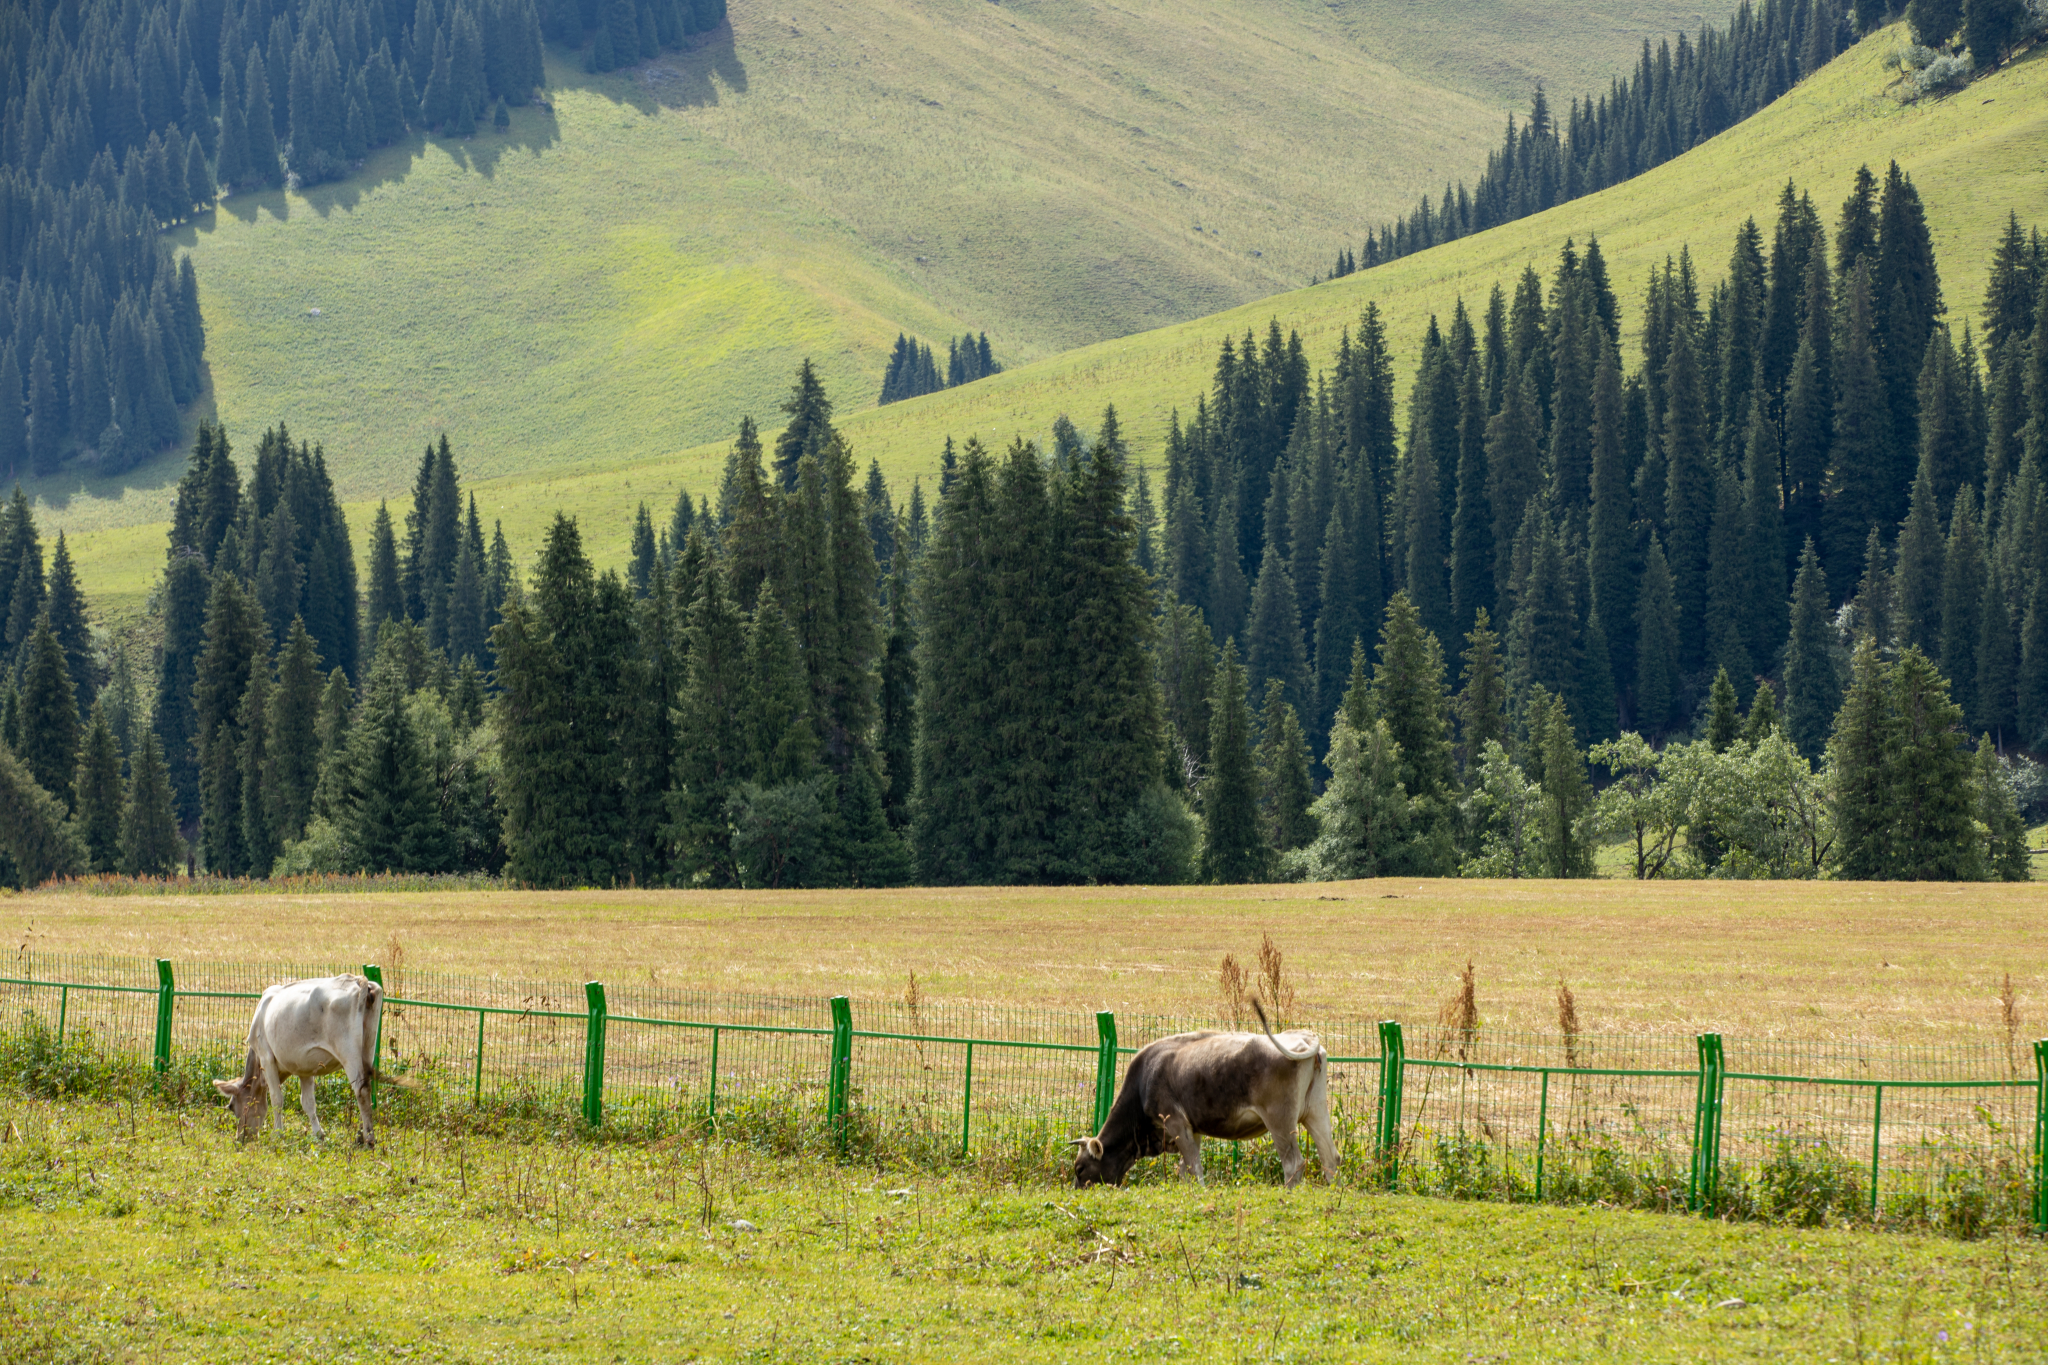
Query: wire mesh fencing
(1955, 1135)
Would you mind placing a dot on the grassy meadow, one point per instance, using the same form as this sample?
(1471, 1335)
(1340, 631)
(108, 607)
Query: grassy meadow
(1905, 963)
(129, 1231)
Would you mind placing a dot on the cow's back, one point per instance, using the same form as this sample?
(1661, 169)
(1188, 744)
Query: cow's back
(311, 1027)
(1220, 1080)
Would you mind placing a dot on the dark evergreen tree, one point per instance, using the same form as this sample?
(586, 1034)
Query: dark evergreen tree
(1859, 462)
(1866, 731)
(176, 720)
(640, 557)
(809, 429)
(232, 652)
(1273, 644)
(48, 723)
(392, 814)
(149, 844)
(1482, 703)
(1472, 583)
(65, 602)
(1689, 497)
(294, 748)
(1962, 597)
(1729, 596)
(1234, 848)
(1657, 644)
(1933, 794)
(1812, 687)
(1285, 789)
(260, 841)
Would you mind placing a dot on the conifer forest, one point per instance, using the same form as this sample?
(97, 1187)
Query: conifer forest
(1764, 599)
(1760, 591)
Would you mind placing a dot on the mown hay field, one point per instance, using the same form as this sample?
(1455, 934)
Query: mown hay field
(1901, 963)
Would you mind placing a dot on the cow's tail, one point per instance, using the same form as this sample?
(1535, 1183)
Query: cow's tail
(1291, 1056)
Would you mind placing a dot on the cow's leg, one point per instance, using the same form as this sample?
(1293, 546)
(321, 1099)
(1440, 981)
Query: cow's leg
(273, 1082)
(359, 1081)
(307, 1103)
(1182, 1134)
(1292, 1163)
(1315, 1116)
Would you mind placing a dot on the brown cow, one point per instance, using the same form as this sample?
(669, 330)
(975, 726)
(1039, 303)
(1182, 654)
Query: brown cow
(1220, 1085)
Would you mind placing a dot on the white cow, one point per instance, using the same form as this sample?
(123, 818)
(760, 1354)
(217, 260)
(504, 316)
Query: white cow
(307, 1029)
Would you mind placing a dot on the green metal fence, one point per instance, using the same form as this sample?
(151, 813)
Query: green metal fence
(1491, 1112)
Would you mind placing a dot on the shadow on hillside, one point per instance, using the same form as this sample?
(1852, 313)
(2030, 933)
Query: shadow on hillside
(158, 472)
(533, 129)
(688, 79)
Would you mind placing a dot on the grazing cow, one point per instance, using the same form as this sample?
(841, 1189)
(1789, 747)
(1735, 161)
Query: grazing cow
(307, 1029)
(1221, 1085)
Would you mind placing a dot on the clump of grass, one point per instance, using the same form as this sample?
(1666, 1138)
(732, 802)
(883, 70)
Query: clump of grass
(2009, 1020)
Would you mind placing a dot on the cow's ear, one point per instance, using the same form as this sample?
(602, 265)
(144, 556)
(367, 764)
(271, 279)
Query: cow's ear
(232, 1089)
(1094, 1146)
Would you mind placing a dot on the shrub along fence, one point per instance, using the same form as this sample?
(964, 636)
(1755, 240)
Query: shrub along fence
(1954, 1137)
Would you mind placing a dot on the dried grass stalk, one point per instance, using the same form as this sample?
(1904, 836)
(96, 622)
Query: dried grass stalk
(1274, 987)
(1235, 984)
(1568, 1022)
(1459, 1016)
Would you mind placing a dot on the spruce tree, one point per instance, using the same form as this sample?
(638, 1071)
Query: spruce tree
(640, 557)
(1513, 473)
(1339, 624)
(1472, 584)
(1285, 790)
(1812, 688)
(387, 596)
(48, 715)
(1610, 534)
(149, 844)
(1595, 698)
(951, 815)
(1859, 460)
(466, 639)
(1690, 498)
(260, 841)
(1657, 648)
(1962, 599)
(1482, 704)
(1409, 695)
(1998, 659)
(781, 743)
(2005, 856)
(99, 793)
(176, 720)
(1234, 849)
(1273, 645)
(1763, 517)
(233, 650)
(1565, 841)
(293, 728)
(1729, 594)
(393, 817)
(1724, 714)
(65, 602)
(809, 428)
(1875, 609)
(897, 743)
(1864, 795)
(712, 740)
(1928, 770)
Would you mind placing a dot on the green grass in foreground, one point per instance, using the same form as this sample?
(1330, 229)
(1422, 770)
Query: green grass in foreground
(135, 1232)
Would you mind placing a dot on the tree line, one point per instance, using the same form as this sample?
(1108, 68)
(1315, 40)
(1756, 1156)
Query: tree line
(1673, 101)
(914, 370)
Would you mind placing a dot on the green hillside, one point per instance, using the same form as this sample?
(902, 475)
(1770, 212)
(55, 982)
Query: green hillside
(620, 274)
(1973, 155)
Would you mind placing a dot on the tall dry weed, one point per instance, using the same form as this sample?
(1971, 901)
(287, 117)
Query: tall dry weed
(1235, 985)
(1274, 986)
(1568, 1022)
(1459, 1015)
(2009, 1019)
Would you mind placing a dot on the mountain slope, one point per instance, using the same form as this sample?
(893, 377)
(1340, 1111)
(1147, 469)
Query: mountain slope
(1973, 155)
(618, 274)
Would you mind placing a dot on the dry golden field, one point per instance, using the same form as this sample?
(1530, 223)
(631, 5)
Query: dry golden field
(1903, 963)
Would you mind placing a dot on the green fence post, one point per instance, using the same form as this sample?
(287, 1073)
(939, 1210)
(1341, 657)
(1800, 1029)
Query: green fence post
(477, 1095)
(372, 972)
(1393, 1072)
(63, 1011)
(838, 1081)
(1105, 1066)
(1706, 1126)
(1876, 1138)
(967, 1103)
(1542, 1131)
(593, 1054)
(711, 1106)
(166, 1004)
(2041, 1134)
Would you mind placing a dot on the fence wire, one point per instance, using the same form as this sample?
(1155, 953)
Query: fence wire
(1525, 1114)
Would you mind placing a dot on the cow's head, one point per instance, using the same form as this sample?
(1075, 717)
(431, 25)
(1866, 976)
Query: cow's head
(1095, 1164)
(249, 1102)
